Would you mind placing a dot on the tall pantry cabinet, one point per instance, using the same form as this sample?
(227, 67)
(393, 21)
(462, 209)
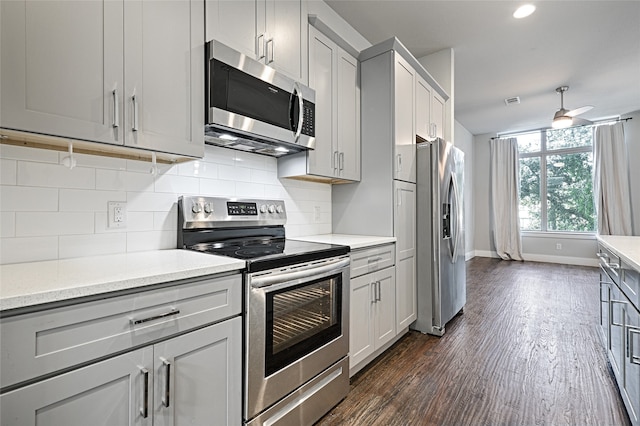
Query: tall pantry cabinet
(384, 201)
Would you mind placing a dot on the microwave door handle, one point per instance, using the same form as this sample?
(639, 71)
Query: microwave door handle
(298, 93)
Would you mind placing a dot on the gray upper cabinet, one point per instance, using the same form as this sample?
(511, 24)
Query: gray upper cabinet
(429, 111)
(62, 68)
(116, 72)
(270, 31)
(333, 74)
(404, 128)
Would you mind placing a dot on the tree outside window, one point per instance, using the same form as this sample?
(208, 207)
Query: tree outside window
(556, 185)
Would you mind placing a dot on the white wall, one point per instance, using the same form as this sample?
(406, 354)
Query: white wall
(464, 141)
(50, 212)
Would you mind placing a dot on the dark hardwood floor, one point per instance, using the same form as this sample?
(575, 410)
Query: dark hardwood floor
(526, 351)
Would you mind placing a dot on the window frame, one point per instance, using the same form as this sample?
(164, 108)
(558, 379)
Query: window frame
(542, 154)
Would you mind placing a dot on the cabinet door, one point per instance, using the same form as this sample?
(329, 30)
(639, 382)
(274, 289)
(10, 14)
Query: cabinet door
(405, 233)
(198, 377)
(616, 322)
(404, 132)
(361, 326)
(632, 364)
(233, 22)
(110, 392)
(348, 116)
(437, 115)
(385, 307)
(62, 68)
(423, 109)
(324, 159)
(164, 76)
(283, 45)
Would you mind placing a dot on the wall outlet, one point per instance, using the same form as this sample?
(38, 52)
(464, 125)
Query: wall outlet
(558, 246)
(117, 214)
(317, 215)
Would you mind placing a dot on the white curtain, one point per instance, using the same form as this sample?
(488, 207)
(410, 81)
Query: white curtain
(505, 188)
(611, 180)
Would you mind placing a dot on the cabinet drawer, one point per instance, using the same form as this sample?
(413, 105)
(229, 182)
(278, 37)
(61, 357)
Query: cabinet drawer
(43, 342)
(372, 259)
(609, 262)
(630, 283)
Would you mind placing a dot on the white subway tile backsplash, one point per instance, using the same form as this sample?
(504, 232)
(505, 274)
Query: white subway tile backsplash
(7, 224)
(124, 181)
(249, 190)
(199, 169)
(15, 152)
(152, 240)
(217, 188)
(64, 212)
(235, 173)
(55, 176)
(177, 184)
(29, 249)
(92, 245)
(8, 172)
(32, 224)
(150, 201)
(28, 199)
(84, 200)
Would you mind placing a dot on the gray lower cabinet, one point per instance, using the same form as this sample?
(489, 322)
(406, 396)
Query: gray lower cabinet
(372, 304)
(620, 326)
(165, 357)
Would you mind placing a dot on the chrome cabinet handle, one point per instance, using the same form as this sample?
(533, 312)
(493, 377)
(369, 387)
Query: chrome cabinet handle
(172, 312)
(373, 290)
(260, 42)
(341, 161)
(634, 359)
(399, 161)
(269, 56)
(375, 259)
(116, 110)
(335, 160)
(144, 410)
(135, 113)
(379, 291)
(167, 383)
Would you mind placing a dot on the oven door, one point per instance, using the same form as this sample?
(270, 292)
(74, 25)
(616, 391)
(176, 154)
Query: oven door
(296, 327)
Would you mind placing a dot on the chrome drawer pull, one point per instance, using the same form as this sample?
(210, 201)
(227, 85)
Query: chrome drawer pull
(375, 259)
(173, 311)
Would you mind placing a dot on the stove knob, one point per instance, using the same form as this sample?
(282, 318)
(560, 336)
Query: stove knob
(208, 208)
(197, 208)
(263, 208)
(272, 209)
(280, 209)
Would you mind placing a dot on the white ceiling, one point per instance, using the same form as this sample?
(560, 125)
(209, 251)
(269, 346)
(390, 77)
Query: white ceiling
(591, 46)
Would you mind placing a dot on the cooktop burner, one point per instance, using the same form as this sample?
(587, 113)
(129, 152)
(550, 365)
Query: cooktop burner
(251, 230)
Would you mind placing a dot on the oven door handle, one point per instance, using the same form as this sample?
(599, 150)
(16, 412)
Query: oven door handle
(299, 273)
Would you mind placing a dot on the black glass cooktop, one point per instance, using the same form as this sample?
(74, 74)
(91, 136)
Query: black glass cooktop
(267, 253)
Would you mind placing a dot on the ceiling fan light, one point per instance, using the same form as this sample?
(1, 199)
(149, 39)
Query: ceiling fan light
(561, 122)
(524, 11)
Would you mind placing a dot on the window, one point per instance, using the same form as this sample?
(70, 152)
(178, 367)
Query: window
(556, 186)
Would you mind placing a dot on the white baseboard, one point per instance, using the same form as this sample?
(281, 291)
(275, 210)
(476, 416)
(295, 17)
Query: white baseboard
(565, 260)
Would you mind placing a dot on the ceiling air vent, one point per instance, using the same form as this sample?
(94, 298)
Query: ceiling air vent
(514, 100)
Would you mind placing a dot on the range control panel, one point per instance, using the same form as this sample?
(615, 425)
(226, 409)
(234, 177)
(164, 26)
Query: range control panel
(216, 212)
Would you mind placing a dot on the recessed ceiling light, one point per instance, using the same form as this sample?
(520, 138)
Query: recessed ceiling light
(524, 11)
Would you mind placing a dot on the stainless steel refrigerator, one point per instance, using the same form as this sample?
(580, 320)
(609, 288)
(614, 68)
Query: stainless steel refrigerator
(440, 256)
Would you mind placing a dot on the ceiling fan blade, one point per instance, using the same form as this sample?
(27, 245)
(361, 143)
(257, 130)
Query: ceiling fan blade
(577, 121)
(579, 111)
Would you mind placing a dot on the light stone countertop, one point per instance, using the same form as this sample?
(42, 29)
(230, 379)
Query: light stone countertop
(628, 248)
(353, 241)
(34, 283)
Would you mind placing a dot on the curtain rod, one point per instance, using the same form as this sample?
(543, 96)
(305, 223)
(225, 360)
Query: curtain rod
(537, 130)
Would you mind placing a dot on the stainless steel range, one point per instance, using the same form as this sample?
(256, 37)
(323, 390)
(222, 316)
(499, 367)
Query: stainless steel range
(296, 315)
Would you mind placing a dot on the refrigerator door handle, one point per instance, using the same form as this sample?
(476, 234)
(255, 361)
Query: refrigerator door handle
(456, 225)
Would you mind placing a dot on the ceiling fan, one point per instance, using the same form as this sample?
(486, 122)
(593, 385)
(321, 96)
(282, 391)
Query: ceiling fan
(564, 118)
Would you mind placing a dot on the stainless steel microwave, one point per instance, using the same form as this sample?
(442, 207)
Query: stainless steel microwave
(252, 107)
